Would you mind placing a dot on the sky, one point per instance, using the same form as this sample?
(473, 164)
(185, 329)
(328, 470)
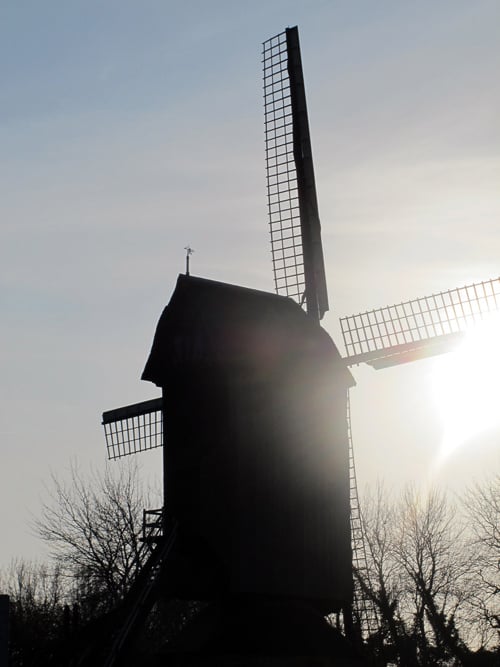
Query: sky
(129, 130)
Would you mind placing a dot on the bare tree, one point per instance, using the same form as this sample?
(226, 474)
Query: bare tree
(421, 578)
(434, 559)
(382, 583)
(92, 524)
(30, 583)
(482, 505)
(37, 610)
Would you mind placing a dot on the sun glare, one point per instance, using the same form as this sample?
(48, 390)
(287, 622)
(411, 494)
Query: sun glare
(466, 386)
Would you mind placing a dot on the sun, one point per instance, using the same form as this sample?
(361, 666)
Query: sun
(466, 387)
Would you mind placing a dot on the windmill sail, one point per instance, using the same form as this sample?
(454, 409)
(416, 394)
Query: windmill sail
(296, 248)
(133, 428)
(419, 328)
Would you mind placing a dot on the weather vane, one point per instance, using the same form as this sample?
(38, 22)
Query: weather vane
(189, 252)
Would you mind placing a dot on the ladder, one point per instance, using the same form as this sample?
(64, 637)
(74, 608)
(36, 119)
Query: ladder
(141, 596)
(365, 618)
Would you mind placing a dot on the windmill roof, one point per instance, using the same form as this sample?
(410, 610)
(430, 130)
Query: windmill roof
(209, 323)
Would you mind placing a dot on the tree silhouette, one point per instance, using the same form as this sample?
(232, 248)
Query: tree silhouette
(482, 505)
(426, 580)
(92, 525)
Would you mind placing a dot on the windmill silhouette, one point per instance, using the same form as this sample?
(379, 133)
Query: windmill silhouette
(381, 337)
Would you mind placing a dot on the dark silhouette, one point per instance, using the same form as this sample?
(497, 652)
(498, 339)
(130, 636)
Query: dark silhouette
(258, 462)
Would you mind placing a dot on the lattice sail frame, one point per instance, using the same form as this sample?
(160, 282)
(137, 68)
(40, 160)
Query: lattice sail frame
(133, 428)
(383, 335)
(282, 185)
(296, 247)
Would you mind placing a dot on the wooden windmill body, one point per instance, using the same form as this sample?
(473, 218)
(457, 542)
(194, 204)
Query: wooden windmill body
(256, 456)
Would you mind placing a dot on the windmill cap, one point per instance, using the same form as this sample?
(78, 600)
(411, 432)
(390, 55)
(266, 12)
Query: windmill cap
(209, 323)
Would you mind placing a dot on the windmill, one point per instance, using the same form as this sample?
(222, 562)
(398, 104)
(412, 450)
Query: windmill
(381, 337)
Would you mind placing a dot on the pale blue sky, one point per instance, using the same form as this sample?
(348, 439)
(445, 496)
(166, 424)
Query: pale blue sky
(129, 129)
